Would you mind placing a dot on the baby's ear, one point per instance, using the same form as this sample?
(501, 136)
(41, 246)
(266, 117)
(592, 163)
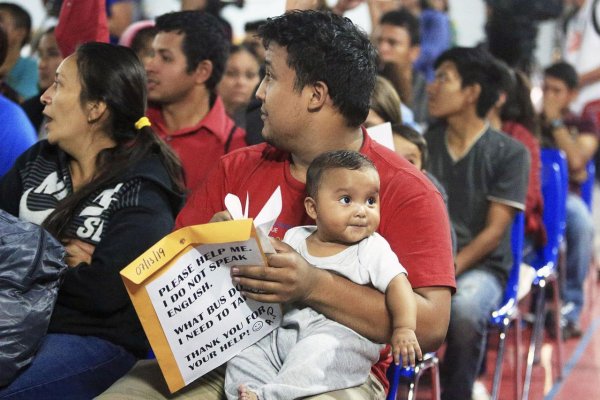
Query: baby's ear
(311, 207)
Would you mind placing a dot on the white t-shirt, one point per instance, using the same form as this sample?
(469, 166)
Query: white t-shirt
(582, 43)
(371, 261)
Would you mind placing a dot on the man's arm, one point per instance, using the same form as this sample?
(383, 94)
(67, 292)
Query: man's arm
(589, 77)
(498, 220)
(289, 278)
(578, 149)
(565, 142)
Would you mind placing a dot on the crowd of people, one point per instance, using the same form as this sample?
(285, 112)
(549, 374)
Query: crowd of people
(382, 254)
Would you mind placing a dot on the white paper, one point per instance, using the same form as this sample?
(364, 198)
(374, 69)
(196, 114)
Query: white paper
(265, 219)
(383, 135)
(204, 317)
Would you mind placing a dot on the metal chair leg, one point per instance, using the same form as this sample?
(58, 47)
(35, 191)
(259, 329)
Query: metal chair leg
(557, 329)
(536, 332)
(435, 379)
(499, 360)
(412, 390)
(518, 376)
(414, 385)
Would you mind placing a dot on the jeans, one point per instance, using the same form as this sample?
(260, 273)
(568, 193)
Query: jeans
(478, 293)
(70, 367)
(579, 235)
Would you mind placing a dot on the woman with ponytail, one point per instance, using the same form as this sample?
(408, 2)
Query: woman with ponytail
(106, 186)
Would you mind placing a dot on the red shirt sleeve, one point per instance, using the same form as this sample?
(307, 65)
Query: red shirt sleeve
(80, 22)
(206, 200)
(418, 230)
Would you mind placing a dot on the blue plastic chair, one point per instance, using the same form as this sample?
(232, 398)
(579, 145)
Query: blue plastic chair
(554, 191)
(396, 373)
(501, 318)
(587, 188)
(507, 314)
(586, 193)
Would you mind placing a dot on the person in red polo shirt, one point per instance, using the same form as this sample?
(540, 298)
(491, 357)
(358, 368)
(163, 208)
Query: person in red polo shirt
(190, 51)
(320, 72)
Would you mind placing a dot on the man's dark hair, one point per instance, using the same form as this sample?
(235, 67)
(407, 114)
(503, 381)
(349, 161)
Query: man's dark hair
(21, 19)
(476, 66)
(142, 37)
(203, 39)
(404, 19)
(253, 25)
(565, 72)
(328, 48)
(415, 138)
(346, 159)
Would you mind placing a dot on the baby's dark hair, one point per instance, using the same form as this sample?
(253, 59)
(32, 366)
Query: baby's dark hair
(346, 159)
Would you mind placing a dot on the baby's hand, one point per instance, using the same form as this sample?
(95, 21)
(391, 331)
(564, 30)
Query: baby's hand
(405, 344)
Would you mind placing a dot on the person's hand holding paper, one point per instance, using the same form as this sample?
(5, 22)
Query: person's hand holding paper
(288, 277)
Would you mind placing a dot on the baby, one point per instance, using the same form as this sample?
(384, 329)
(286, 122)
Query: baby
(310, 354)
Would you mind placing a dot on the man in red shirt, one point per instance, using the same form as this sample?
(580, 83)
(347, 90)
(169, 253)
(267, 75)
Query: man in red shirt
(190, 51)
(320, 72)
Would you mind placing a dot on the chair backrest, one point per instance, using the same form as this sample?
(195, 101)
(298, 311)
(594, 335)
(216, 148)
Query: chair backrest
(509, 302)
(517, 239)
(587, 188)
(554, 190)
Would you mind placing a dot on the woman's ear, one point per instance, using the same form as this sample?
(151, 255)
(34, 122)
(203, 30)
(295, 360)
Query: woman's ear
(96, 109)
(311, 207)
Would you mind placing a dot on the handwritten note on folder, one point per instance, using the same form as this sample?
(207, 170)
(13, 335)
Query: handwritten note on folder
(181, 288)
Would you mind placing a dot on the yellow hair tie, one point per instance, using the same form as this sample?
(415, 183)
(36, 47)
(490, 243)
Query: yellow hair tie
(142, 122)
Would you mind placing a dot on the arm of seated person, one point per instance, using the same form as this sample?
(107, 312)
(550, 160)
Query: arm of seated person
(290, 278)
(78, 252)
(587, 143)
(97, 286)
(499, 218)
(589, 77)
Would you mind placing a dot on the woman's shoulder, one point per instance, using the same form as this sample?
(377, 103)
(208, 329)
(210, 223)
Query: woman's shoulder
(149, 179)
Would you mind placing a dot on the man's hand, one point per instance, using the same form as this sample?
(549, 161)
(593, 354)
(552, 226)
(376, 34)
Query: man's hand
(287, 278)
(345, 5)
(78, 252)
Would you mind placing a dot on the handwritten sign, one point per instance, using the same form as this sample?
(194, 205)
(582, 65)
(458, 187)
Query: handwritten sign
(205, 318)
(194, 316)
